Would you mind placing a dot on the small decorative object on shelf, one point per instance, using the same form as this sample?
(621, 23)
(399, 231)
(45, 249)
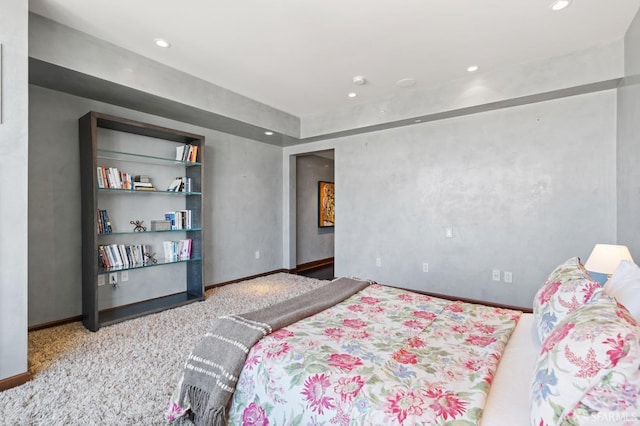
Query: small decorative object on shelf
(160, 225)
(150, 258)
(137, 226)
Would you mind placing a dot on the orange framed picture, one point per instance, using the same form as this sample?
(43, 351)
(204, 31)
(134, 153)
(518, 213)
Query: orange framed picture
(326, 204)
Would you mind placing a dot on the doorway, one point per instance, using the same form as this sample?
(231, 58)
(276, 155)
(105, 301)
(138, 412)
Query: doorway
(314, 244)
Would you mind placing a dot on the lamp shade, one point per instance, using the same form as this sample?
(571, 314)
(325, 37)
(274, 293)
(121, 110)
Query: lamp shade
(605, 258)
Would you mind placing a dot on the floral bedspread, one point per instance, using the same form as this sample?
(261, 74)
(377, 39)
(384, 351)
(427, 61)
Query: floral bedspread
(383, 356)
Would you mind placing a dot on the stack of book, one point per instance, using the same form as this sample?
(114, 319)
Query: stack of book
(177, 250)
(122, 256)
(104, 225)
(111, 177)
(187, 153)
(142, 183)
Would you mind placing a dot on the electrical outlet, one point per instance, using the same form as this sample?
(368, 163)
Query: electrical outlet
(508, 277)
(257, 254)
(495, 275)
(113, 278)
(378, 262)
(425, 267)
(124, 276)
(101, 280)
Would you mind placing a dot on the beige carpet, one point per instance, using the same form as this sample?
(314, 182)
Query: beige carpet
(124, 374)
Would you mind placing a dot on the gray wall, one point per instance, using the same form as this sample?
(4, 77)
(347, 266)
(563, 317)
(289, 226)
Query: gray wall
(629, 144)
(523, 188)
(13, 195)
(243, 178)
(313, 243)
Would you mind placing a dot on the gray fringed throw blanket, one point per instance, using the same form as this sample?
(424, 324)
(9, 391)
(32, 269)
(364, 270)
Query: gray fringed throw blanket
(213, 367)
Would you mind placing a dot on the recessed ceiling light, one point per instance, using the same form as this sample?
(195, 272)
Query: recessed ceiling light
(359, 80)
(472, 68)
(268, 133)
(162, 42)
(406, 82)
(352, 94)
(560, 4)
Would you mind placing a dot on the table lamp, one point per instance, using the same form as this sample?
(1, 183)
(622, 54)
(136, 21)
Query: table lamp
(604, 259)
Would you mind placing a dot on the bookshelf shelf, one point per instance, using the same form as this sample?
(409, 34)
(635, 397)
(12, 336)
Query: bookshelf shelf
(107, 234)
(149, 265)
(107, 154)
(142, 191)
(149, 150)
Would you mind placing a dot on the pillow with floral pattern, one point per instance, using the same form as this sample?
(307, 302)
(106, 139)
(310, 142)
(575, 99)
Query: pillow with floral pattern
(568, 287)
(588, 369)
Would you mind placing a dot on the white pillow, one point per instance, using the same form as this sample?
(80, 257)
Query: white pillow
(624, 285)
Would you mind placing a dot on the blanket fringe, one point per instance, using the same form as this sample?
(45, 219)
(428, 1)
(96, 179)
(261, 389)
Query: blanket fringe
(202, 414)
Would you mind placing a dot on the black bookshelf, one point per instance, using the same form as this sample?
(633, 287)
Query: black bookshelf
(93, 316)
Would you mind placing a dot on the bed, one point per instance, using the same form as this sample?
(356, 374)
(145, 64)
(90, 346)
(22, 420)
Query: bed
(384, 355)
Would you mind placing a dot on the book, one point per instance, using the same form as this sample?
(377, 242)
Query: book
(175, 185)
(103, 170)
(180, 152)
(185, 249)
(171, 217)
(100, 177)
(169, 251)
(104, 225)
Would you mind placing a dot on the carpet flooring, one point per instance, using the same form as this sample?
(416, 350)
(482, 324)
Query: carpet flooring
(125, 373)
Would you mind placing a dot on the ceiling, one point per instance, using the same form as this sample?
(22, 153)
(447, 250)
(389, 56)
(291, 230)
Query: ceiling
(300, 56)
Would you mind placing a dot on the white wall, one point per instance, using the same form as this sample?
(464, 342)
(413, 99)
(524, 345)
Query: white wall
(13, 193)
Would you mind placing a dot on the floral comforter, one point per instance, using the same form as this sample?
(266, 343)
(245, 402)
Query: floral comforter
(383, 356)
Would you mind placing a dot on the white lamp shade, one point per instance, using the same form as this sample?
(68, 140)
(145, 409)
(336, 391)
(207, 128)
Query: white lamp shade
(605, 258)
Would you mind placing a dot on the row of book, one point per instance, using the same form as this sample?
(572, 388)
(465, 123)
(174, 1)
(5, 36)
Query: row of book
(111, 177)
(117, 256)
(177, 250)
(187, 152)
(180, 219)
(104, 225)
(180, 184)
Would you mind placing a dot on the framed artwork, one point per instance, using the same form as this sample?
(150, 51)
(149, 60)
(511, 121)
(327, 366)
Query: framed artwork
(326, 204)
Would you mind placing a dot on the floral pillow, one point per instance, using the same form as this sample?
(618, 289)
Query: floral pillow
(587, 371)
(568, 287)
